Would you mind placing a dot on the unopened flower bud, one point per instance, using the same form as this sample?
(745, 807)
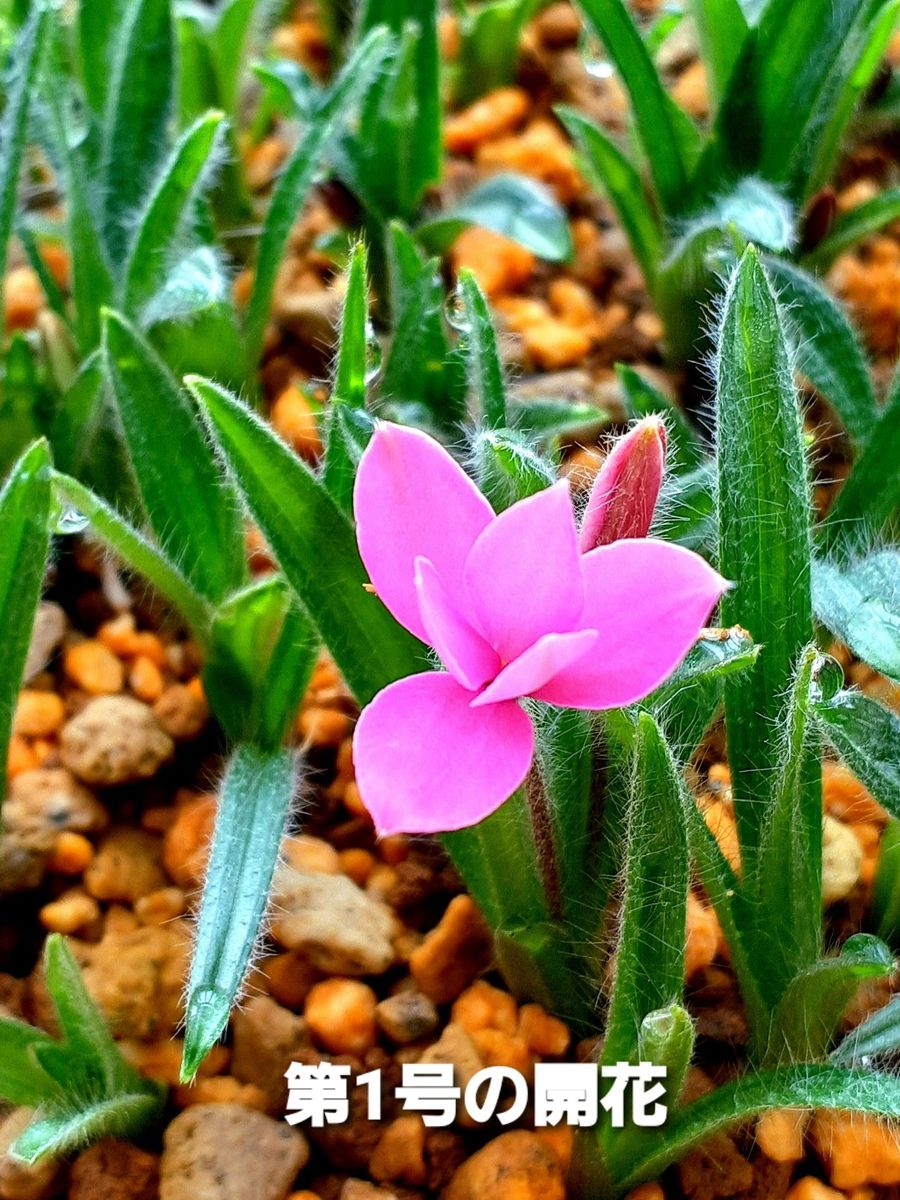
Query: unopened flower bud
(625, 492)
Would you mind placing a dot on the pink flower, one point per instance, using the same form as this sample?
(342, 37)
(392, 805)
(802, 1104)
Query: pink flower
(627, 486)
(513, 610)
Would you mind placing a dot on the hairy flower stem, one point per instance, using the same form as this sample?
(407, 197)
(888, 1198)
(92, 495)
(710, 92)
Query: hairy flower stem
(542, 829)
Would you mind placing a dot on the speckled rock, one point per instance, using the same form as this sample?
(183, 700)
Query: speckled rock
(514, 1166)
(266, 1038)
(406, 1017)
(332, 923)
(127, 866)
(227, 1152)
(114, 739)
(44, 802)
(114, 1170)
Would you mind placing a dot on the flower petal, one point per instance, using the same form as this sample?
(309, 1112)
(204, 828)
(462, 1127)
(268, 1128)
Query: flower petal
(523, 576)
(412, 499)
(649, 599)
(462, 649)
(540, 663)
(426, 762)
(624, 495)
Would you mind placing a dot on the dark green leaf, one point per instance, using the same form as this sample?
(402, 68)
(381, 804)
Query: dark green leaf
(660, 124)
(348, 434)
(253, 805)
(666, 1038)
(886, 889)
(764, 545)
(21, 402)
(512, 205)
(297, 178)
(489, 46)
(870, 496)
(854, 226)
(722, 27)
(827, 349)
(352, 369)
(22, 1080)
(860, 604)
(508, 468)
(479, 348)
(546, 420)
(24, 545)
(192, 510)
(686, 512)
(139, 101)
(867, 736)
(314, 543)
(169, 206)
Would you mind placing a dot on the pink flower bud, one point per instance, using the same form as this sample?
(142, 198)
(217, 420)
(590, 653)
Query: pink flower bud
(627, 486)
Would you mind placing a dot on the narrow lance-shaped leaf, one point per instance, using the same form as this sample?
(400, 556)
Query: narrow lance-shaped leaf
(24, 545)
(722, 27)
(828, 350)
(253, 805)
(661, 133)
(314, 543)
(610, 171)
(139, 101)
(139, 554)
(764, 544)
(854, 226)
(19, 89)
(480, 349)
(878, 1035)
(192, 510)
(167, 209)
(684, 449)
(788, 864)
(870, 496)
(297, 178)
(886, 888)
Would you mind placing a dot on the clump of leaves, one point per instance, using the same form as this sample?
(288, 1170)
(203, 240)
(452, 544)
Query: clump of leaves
(783, 88)
(79, 1084)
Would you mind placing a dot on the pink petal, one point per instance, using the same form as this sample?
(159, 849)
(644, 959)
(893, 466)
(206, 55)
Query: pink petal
(649, 599)
(463, 651)
(523, 576)
(627, 486)
(412, 499)
(540, 663)
(426, 762)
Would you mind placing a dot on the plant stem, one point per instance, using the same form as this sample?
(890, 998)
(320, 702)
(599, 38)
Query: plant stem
(542, 829)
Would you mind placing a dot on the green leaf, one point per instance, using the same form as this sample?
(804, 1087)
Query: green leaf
(660, 124)
(870, 496)
(508, 468)
(489, 46)
(878, 1035)
(512, 205)
(24, 546)
(297, 178)
(547, 420)
(860, 605)
(811, 1009)
(650, 960)
(722, 27)
(855, 226)
(192, 510)
(18, 89)
(52, 291)
(684, 451)
(827, 348)
(420, 366)
(886, 892)
(253, 806)
(139, 101)
(686, 512)
(21, 402)
(98, 23)
(352, 369)
(314, 543)
(92, 276)
(348, 433)
(867, 736)
(261, 657)
(666, 1038)
(787, 871)
(806, 1085)
(764, 544)
(58, 1134)
(22, 1079)
(167, 210)
(138, 553)
(609, 170)
(479, 346)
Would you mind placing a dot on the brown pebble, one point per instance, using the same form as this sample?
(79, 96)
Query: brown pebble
(127, 866)
(514, 1166)
(457, 950)
(114, 1170)
(407, 1017)
(341, 1015)
(181, 712)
